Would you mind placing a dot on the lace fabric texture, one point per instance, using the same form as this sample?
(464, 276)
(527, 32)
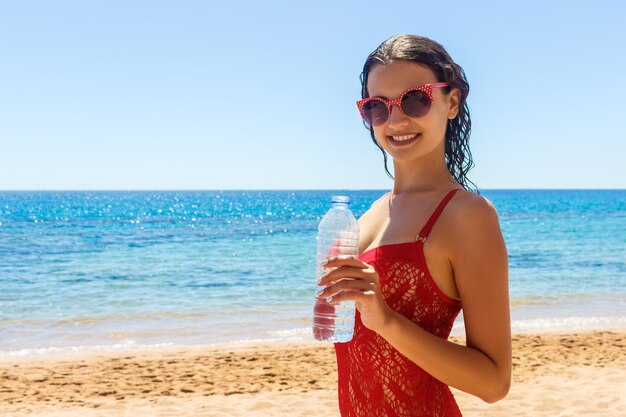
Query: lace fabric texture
(374, 378)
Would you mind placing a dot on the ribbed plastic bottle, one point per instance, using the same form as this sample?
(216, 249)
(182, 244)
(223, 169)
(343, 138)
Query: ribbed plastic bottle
(338, 234)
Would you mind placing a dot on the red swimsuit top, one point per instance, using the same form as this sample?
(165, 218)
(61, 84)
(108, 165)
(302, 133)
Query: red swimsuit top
(374, 378)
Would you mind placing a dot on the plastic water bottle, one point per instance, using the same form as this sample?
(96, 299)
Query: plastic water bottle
(338, 234)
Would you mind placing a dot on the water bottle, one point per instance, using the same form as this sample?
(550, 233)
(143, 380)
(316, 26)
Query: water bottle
(338, 234)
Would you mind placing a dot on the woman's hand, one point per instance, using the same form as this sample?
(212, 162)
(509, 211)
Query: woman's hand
(353, 279)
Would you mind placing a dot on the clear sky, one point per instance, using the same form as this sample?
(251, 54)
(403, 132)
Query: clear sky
(261, 94)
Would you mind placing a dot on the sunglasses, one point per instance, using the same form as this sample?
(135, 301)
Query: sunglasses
(414, 102)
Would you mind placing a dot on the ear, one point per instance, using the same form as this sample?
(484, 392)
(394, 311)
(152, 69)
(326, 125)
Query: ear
(454, 98)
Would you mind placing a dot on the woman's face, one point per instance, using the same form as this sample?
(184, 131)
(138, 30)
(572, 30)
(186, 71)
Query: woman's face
(389, 81)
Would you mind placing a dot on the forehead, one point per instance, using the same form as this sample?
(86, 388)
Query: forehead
(392, 79)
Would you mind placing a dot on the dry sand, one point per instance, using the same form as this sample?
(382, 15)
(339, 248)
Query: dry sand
(569, 374)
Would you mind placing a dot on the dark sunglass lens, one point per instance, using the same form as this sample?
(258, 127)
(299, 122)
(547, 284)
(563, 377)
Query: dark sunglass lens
(375, 112)
(415, 103)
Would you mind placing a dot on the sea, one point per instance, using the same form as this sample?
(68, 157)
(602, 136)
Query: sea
(85, 271)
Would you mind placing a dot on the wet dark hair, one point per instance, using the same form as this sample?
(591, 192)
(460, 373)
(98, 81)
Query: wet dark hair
(425, 51)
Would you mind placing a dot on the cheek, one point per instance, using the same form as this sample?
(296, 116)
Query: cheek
(379, 133)
(440, 113)
(436, 121)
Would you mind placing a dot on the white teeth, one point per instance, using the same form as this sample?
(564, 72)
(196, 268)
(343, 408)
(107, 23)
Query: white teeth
(403, 138)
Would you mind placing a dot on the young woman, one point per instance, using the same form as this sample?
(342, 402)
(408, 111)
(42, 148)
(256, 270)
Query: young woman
(428, 248)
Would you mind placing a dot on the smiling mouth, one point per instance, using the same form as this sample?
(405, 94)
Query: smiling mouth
(404, 138)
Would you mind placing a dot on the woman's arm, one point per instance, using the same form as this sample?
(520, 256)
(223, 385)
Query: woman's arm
(479, 261)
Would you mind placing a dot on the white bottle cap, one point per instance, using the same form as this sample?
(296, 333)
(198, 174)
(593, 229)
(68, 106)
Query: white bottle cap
(341, 199)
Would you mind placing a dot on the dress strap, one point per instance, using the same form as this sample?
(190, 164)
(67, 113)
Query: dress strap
(421, 237)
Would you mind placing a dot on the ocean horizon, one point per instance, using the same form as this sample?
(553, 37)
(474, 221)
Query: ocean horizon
(131, 269)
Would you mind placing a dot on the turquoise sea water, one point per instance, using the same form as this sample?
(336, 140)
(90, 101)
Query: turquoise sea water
(126, 270)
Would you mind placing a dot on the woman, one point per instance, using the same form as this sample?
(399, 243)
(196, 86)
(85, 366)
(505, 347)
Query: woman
(409, 286)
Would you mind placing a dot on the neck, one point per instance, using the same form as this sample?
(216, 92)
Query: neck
(424, 176)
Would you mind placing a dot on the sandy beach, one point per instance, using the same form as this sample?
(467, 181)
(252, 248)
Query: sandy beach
(554, 374)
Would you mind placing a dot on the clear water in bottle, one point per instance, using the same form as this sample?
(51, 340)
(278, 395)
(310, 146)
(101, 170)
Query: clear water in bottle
(338, 234)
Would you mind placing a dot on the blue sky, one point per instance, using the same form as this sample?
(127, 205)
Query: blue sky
(260, 95)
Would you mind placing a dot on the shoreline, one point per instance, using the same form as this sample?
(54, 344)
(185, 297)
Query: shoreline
(261, 379)
(93, 351)
(529, 323)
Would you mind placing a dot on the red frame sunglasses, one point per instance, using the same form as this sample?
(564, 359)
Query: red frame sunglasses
(414, 102)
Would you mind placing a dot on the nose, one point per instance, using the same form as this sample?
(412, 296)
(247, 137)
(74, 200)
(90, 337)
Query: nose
(397, 117)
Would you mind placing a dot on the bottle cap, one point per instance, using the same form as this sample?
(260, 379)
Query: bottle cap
(341, 199)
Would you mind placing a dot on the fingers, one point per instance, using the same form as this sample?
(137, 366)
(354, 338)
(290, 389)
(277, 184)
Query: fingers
(358, 296)
(345, 285)
(344, 267)
(343, 260)
(339, 274)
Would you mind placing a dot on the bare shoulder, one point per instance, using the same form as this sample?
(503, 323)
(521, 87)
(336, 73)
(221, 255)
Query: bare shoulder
(371, 221)
(469, 212)
(374, 207)
(381, 200)
(469, 201)
(474, 237)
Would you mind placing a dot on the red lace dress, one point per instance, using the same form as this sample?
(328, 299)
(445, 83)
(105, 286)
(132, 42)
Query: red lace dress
(374, 378)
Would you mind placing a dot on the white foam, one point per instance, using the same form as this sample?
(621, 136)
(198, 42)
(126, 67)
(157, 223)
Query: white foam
(544, 324)
(301, 334)
(60, 350)
(567, 323)
(303, 331)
